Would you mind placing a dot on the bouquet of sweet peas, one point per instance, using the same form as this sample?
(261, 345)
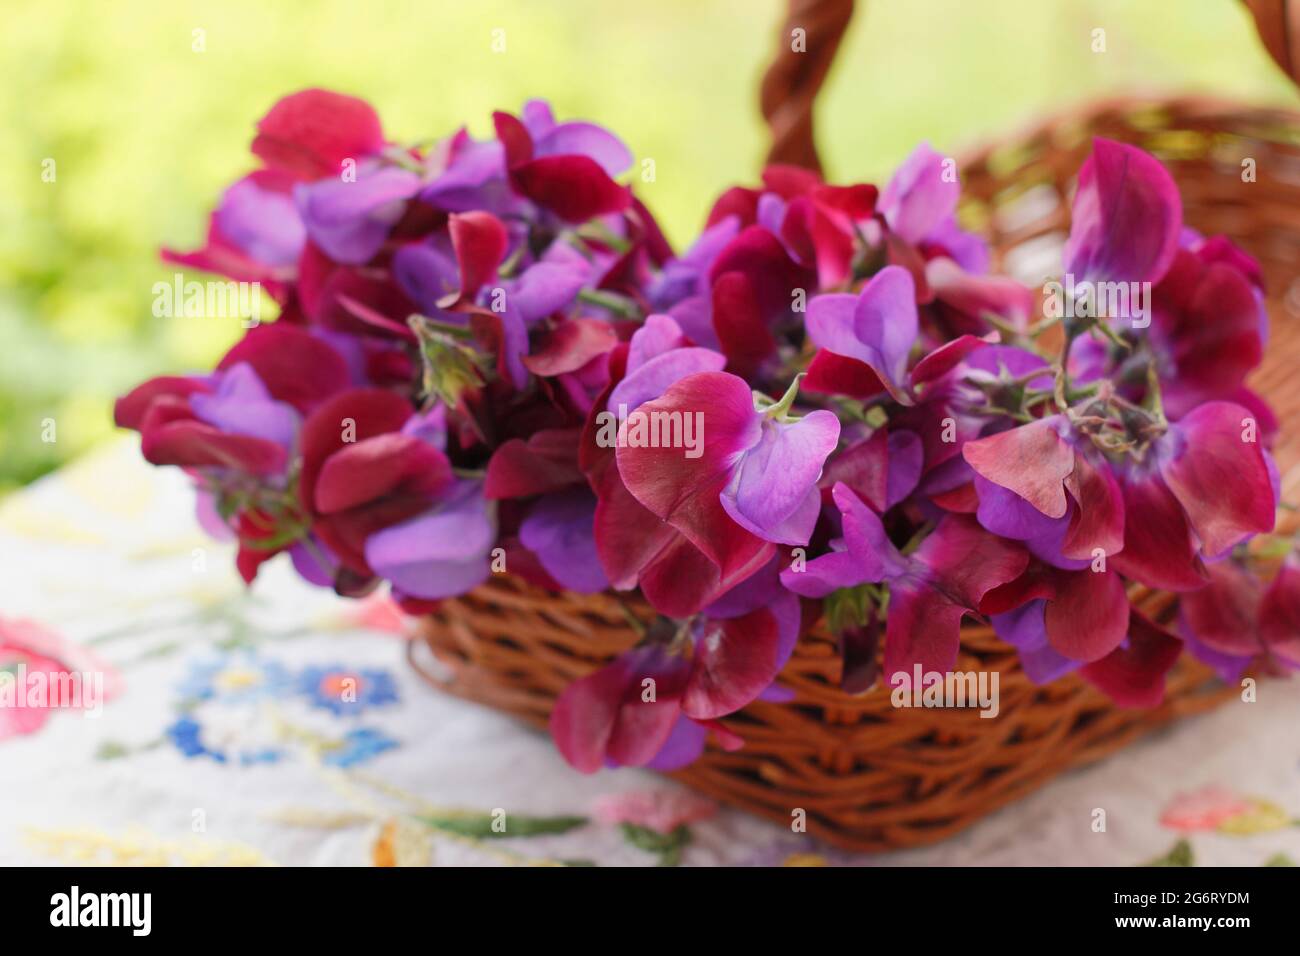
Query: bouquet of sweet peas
(489, 360)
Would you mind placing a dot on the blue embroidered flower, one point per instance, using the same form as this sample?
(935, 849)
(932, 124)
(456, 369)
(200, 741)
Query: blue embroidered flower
(345, 692)
(186, 734)
(234, 679)
(358, 746)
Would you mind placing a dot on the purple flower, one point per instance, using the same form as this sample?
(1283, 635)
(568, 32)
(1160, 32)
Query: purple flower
(930, 591)
(441, 552)
(756, 468)
(350, 220)
(262, 220)
(559, 530)
(877, 328)
(657, 358)
(654, 706)
(919, 204)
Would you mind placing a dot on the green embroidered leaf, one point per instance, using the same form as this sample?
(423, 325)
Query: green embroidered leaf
(111, 750)
(1179, 855)
(667, 846)
(480, 825)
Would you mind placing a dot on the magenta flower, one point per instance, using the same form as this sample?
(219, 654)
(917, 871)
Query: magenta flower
(564, 168)
(1209, 486)
(1060, 620)
(655, 704)
(244, 418)
(311, 133)
(1237, 620)
(1133, 674)
(752, 470)
(930, 591)
(384, 500)
(1126, 217)
(1059, 496)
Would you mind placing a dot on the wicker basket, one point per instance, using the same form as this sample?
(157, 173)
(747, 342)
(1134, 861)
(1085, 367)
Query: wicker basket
(867, 775)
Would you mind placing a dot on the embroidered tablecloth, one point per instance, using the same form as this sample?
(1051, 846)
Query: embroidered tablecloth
(281, 725)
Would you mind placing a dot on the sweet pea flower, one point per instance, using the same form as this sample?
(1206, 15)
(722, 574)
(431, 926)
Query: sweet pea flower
(637, 548)
(919, 205)
(256, 233)
(754, 471)
(268, 379)
(930, 590)
(655, 705)
(1208, 326)
(1037, 483)
(350, 219)
(1126, 218)
(1133, 674)
(311, 133)
(1061, 619)
(1207, 486)
(564, 168)
(385, 502)
(559, 529)
(1237, 620)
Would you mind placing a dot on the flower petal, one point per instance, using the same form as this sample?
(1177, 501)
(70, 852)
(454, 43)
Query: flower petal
(479, 240)
(1134, 675)
(773, 493)
(1088, 616)
(295, 366)
(1158, 547)
(384, 465)
(920, 195)
(1031, 460)
(546, 462)
(311, 132)
(735, 660)
(681, 489)
(1126, 218)
(1220, 476)
(559, 530)
(575, 188)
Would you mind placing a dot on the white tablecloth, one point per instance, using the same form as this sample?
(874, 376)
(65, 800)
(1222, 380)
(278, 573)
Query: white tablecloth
(224, 741)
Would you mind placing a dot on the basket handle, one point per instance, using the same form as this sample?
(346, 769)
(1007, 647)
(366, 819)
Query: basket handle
(797, 72)
(1278, 22)
(799, 68)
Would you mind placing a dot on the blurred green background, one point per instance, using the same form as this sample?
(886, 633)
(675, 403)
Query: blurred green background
(145, 130)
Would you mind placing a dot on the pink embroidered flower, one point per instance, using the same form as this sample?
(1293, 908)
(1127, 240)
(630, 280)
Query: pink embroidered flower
(660, 810)
(378, 612)
(1204, 809)
(40, 671)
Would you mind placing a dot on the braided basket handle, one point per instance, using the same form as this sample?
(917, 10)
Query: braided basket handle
(1278, 22)
(812, 32)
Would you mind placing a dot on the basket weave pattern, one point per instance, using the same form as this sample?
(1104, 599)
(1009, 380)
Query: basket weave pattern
(870, 776)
